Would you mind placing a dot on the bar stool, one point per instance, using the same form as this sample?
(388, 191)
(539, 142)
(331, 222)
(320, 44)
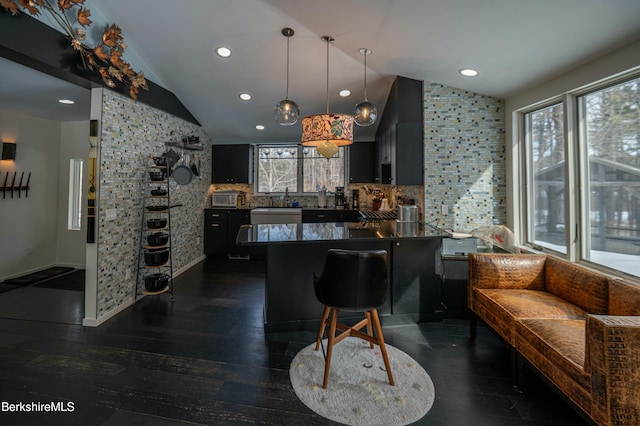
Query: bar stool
(353, 281)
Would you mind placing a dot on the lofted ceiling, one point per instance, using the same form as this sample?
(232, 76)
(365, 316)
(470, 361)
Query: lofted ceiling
(514, 44)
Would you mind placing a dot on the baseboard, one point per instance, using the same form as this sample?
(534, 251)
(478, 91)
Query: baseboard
(95, 322)
(28, 271)
(189, 265)
(72, 265)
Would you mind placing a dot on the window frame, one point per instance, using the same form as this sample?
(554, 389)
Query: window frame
(299, 190)
(74, 212)
(577, 213)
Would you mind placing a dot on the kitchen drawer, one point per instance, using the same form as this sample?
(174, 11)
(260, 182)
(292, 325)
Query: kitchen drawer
(322, 216)
(319, 216)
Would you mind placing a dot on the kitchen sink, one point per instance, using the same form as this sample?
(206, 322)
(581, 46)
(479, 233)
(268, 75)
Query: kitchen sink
(276, 215)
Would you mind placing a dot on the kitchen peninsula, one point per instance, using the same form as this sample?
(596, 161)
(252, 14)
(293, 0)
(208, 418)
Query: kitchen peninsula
(296, 250)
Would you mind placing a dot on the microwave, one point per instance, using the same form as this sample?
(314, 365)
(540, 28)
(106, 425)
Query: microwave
(231, 199)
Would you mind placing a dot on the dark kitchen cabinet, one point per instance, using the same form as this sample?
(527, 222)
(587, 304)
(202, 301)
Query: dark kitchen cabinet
(415, 285)
(400, 135)
(362, 160)
(235, 219)
(215, 232)
(455, 277)
(329, 215)
(231, 163)
(319, 216)
(409, 146)
(221, 229)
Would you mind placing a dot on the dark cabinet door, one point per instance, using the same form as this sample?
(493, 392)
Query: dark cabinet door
(231, 164)
(415, 285)
(235, 219)
(409, 146)
(215, 232)
(362, 162)
(455, 279)
(399, 136)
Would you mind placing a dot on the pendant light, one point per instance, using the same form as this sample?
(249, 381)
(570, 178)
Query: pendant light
(366, 112)
(286, 112)
(327, 131)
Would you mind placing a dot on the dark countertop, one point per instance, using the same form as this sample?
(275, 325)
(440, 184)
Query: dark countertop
(333, 231)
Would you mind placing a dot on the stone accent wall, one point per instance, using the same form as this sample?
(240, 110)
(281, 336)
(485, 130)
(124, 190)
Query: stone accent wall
(464, 158)
(131, 134)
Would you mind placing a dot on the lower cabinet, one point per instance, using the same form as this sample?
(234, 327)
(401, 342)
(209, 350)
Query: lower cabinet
(455, 278)
(220, 230)
(235, 219)
(415, 284)
(329, 215)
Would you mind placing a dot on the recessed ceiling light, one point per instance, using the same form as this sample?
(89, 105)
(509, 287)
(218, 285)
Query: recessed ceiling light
(259, 127)
(468, 72)
(344, 93)
(223, 52)
(245, 96)
(67, 101)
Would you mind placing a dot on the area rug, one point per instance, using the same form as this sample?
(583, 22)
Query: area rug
(35, 277)
(70, 281)
(359, 392)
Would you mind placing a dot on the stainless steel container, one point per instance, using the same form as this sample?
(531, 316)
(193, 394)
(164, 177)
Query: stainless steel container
(407, 213)
(407, 229)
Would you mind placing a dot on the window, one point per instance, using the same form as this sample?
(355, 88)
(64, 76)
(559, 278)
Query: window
(545, 195)
(598, 166)
(297, 169)
(74, 220)
(610, 133)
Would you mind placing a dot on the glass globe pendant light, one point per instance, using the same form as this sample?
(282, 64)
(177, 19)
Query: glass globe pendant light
(366, 112)
(286, 112)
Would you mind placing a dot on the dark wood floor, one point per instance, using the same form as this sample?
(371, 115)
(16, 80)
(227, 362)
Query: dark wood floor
(205, 359)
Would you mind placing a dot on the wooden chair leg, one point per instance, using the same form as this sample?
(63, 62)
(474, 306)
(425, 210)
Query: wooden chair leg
(383, 348)
(323, 324)
(332, 337)
(369, 327)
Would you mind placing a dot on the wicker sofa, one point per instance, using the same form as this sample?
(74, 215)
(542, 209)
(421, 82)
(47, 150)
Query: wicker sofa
(578, 328)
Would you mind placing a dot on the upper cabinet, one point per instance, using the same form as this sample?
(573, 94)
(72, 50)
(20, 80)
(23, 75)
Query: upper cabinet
(362, 162)
(400, 135)
(231, 163)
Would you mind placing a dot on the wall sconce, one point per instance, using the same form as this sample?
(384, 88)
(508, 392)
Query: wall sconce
(8, 151)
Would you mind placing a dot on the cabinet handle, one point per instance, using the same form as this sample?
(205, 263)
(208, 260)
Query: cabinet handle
(397, 244)
(215, 225)
(320, 215)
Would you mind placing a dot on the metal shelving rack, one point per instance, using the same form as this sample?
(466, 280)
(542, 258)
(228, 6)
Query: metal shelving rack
(156, 202)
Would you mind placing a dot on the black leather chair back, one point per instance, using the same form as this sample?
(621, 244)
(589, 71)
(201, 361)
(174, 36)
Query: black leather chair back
(353, 280)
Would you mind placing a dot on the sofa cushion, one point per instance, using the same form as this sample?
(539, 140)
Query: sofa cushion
(624, 298)
(578, 285)
(495, 270)
(500, 307)
(556, 347)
